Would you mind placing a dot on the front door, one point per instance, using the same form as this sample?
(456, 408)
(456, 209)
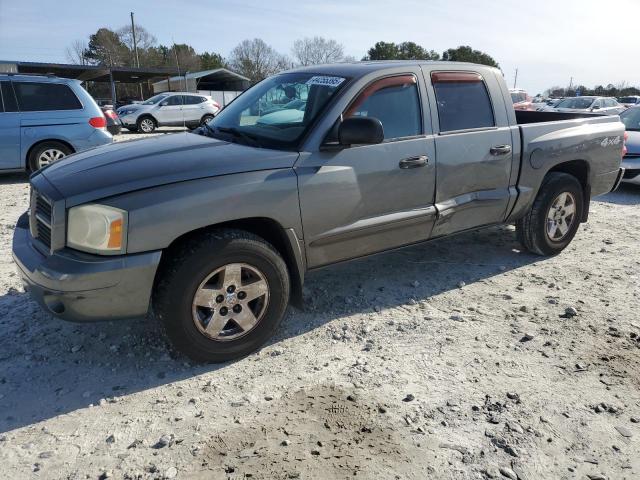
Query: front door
(368, 198)
(9, 128)
(475, 151)
(170, 111)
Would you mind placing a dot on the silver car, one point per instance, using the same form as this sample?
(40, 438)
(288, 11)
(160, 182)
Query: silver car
(169, 109)
(603, 105)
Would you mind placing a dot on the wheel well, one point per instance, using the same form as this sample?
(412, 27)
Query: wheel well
(147, 115)
(580, 170)
(40, 142)
(265, 228)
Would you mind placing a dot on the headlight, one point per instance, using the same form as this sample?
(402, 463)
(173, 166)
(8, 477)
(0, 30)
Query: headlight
(97, 229)
(127, 112)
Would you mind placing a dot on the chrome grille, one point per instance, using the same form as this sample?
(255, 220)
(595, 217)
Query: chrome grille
(43, 218)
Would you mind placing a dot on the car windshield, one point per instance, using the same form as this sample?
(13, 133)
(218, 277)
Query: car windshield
(155, 99)
(276, 112)
(631, 119)
(627, 99)
(578, 102)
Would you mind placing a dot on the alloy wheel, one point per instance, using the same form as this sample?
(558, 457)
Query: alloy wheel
(561, 216)
(49, 155)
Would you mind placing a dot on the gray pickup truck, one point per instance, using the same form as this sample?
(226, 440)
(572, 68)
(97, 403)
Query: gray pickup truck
(214, 231)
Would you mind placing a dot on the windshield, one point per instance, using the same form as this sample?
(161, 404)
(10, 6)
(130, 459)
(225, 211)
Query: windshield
(277, 111)
(155, 99)
(627, 99)
(579, 102)
(517, 97)
(631, 119)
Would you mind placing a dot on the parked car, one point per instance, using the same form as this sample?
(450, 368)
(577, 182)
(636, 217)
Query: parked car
(43, 119)
(114, 125)
(630, 101)
(521, 99)
(631, 160)
(168, 109)
(603, 105)
(218, 228)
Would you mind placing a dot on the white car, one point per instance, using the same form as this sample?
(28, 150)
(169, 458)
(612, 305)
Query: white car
(603, 105)
(168, 109)
(630, 101)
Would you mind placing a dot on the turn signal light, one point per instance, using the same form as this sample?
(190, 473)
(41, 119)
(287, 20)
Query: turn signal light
(115, 234)
(624, 143)
(98, 122)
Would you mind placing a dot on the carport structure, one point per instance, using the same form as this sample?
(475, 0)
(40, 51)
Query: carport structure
(90, 73)
(221, 84)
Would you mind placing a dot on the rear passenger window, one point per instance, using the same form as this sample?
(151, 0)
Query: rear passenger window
(8, 97)
(37, 97)
(395, 102)
(463, 101)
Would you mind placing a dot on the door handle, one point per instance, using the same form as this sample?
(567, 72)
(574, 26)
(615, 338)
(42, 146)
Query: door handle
(414, 162)
(500, 150)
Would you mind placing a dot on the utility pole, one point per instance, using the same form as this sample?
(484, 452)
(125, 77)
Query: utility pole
(570, 83)
(135, 49)
(515, 80)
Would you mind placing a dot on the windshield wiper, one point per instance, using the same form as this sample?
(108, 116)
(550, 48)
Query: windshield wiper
(234, 132)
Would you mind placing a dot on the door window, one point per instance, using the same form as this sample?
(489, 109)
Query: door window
(39, 97)
(8, 97)
(192, 99)
(174, 100)
(395, 102)
(463, 101)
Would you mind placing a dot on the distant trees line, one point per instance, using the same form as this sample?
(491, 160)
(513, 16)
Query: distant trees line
(622, 89)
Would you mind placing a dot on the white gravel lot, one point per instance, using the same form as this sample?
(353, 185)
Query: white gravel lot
(451, 360)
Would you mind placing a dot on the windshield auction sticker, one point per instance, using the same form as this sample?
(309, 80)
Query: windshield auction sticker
(325, 81)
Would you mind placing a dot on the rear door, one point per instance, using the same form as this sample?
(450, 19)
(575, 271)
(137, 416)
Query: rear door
(369, 198)
(193, 108)
(474, 150)
(9, 128)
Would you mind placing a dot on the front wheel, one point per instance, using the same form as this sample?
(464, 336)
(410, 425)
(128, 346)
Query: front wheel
(221, 295)
(146, 125)
(555, 216)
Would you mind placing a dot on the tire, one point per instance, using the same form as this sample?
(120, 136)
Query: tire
(193, 265)
(146, 124)
(559, 194)
(206, 118)
(46, 153)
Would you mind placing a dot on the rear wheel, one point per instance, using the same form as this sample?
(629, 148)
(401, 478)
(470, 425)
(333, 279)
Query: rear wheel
(222, 295)
(47, 153)
(205, 119)
(555, 216)
(146, 125)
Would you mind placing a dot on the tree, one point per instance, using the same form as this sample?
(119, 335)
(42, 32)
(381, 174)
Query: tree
(145, 42)
(317, 50)
(257, 60)
(76, 52)
(106, 48)
(211, 61)
(401, 51)
(467, 54)
(187, 58)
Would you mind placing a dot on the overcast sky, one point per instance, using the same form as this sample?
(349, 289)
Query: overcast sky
(549, 41)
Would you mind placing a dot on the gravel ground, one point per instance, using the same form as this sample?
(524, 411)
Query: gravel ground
(464, 358)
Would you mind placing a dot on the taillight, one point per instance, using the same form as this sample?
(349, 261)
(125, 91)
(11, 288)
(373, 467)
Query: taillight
(216, 104)
(111, 114)
(624, 143)
(98, 122)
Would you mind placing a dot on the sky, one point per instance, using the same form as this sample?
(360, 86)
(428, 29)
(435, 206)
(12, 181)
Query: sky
(548, 41)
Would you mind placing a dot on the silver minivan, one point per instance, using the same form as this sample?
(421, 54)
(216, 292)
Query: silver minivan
(43, 119)
(170, 109)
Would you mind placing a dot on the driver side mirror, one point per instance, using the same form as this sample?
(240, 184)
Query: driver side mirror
(360, 131)
(164, 104)
(595, 107)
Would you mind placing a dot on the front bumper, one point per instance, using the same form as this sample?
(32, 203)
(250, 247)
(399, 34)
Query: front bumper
(81, 287)
(632, 169)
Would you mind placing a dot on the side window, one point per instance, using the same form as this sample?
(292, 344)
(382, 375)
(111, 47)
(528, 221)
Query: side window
(174, 100)
(38, 97)
(8, 97)
(463, 101)
(395, 102)
(192, 100)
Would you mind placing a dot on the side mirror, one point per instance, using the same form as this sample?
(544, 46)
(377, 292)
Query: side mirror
(595, 107)
(163, 104)
(360, 131)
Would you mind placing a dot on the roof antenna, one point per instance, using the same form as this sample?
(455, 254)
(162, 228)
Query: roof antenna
(175, 51)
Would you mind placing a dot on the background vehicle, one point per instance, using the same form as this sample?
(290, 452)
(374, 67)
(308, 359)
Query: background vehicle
(43, 119)
(603, 105)
(629, 101)
(631, 160)
(521, 99)
(218, 229)
(114, 125)
(168, 109)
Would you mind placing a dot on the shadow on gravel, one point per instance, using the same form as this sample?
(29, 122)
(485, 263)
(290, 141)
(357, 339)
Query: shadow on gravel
(626, 194)
(49, 367)
(14, 178)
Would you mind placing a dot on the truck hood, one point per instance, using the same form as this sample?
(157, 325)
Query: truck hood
(128, 166)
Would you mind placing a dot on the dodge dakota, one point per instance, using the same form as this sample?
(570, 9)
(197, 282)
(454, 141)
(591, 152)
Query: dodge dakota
(214, 231)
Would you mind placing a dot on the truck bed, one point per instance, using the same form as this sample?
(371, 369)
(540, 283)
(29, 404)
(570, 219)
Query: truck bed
(524, 117)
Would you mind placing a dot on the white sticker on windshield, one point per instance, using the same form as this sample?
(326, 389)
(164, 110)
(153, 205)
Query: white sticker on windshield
(325, 81)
